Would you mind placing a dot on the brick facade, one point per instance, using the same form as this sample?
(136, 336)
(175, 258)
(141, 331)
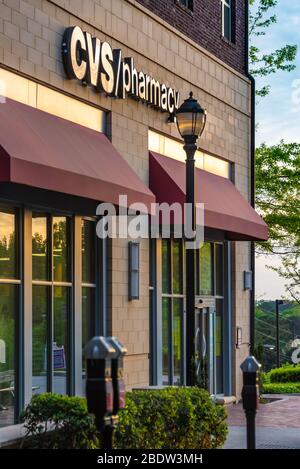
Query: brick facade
(204, 26)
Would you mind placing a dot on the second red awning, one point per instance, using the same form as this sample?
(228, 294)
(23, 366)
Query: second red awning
(224, 207)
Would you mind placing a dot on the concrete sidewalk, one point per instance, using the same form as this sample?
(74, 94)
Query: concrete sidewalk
(266, 438)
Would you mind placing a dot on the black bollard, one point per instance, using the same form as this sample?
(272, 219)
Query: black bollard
(99, 389)
(250, 395)
(117, 375)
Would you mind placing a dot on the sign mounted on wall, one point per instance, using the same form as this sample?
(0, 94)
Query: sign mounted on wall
(95, 63)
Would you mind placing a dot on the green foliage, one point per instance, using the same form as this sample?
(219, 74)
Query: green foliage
(287, 374)
(264, 378)
(59, 422)
(278, 200)
(262, 65)
(284, 380)
(293, 311)
(278, 192)
(281, 388)
(177, 418)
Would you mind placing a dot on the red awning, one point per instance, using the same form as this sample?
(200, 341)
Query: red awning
(44, 151)
(224, 207)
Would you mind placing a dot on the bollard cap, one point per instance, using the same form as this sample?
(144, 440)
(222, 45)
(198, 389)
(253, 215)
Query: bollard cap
(99, 348)
(120, 350)
(250, 365)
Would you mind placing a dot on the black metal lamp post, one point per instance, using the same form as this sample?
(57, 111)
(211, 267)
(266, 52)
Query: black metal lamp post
(191, 120)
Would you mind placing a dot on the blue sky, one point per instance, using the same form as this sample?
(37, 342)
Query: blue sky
(278, 115)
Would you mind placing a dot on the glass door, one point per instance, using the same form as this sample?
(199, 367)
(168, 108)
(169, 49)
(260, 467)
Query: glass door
(206, 349)
(211, 289)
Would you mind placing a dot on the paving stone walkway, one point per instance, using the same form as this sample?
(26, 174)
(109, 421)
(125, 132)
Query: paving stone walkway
(278, 424)
(282, 413)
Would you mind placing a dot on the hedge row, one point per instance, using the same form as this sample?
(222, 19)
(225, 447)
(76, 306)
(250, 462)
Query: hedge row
(281, 388)
(287, 374)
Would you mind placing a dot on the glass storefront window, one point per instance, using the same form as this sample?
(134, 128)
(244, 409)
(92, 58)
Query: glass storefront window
(88, 251)
(89, 254)
(8, 318)
(9, 315)
(206, 269)
(40, 264)
(40, 325)
(8, 258)
(51, 313)
(165, 339)
(177, 267)
(61, 249)
(177, 339)
(61, 331)
(209, 319)
(172, 311)
(52, 292)
(88, 316)
(166, 266)
(219, 270)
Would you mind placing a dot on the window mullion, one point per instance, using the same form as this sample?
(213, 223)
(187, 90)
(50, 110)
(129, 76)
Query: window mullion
(27, 304)
(77, 301)
(171, 321)
(50, 305)
(170, 344)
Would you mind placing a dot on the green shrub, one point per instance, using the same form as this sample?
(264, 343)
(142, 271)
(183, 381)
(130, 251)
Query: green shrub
(171, 418)
(263, 378)
(58, 422)
(286, 374)
(281, 388)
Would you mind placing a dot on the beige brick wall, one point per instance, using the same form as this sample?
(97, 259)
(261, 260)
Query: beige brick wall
(130, 320)
(30, 41)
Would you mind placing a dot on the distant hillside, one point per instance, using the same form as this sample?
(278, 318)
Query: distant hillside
(292, 311)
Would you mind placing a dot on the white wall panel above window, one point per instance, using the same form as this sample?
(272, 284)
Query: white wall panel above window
(46, 99)
(174, 149)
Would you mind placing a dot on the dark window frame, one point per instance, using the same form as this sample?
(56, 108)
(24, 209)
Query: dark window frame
(228, 31)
